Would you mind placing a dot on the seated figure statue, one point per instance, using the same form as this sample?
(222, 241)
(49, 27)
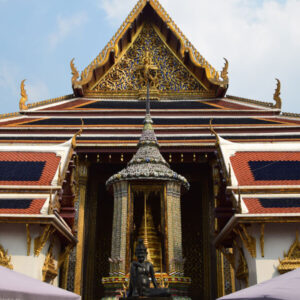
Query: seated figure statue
(140, 271)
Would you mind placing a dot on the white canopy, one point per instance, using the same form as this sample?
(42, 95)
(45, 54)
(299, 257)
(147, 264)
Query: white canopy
(17, 286)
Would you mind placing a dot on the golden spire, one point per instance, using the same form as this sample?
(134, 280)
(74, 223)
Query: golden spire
(24, 97)
(276, 96)
(149, 234)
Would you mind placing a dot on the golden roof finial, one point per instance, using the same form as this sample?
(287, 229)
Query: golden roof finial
(24, 96)
(214, 132)
(78, 133)
(276, 96)
(74, 71)
(224, 73)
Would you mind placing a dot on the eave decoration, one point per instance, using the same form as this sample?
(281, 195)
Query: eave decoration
(110, 59)
(49, 270)
(291, 260)
(5, 259)
(24, 97)
(276, 97)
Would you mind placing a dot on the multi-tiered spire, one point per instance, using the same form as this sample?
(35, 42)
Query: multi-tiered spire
(147, 163)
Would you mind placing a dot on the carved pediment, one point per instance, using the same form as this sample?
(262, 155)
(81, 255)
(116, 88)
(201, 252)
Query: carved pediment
(172, 77)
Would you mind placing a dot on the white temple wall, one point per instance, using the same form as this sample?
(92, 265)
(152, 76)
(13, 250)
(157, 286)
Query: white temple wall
(277, 239)
(13, 238)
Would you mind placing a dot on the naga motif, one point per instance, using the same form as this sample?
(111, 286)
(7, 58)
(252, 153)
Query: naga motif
(24, 97)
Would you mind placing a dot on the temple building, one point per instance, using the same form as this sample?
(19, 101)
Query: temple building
(210, 181)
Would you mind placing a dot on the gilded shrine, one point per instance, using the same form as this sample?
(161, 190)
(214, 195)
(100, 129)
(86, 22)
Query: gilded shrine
(209, 181)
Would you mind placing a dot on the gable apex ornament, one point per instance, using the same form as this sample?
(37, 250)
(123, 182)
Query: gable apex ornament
(24, 96)
(276, 97)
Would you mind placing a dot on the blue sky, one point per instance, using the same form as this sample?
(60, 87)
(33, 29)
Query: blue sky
(260, 39)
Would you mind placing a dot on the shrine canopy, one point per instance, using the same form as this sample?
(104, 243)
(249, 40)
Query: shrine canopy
(14, 285)
(284, 287)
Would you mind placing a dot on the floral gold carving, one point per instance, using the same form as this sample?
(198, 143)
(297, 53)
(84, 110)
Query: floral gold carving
(40, 241)
(5, 259)
(291, 260)
(248, 240)
(24, 97)
(148, 54)
(49, 270)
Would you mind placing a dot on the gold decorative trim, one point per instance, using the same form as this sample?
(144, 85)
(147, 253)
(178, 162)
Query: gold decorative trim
(186, 45)
(9, 115)
(248, 240)
(276, 96)
(40, 241)
(50, 101)
(242, 271)
(63, 256)
(78, 133)
(246, 100)
(24, 97)
(291, 260)
(28, 239)
(262, 239)
(229, 256)
(49, 271)
(5, 259)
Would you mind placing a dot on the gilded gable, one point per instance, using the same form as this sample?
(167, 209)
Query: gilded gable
(172, 76)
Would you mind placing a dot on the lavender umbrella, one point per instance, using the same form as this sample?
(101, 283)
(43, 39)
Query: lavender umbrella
(283, 287)
(17, 286)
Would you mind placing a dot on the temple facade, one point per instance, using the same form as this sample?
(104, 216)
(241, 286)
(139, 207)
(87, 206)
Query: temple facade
(209, 181)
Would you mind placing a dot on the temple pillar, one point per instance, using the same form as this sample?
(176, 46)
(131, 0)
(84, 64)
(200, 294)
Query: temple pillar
(119, 234)
(174, 234)
(82, 184)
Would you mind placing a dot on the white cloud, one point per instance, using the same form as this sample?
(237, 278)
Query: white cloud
(37, 90)
(8, 74)
(261, 40)
(66, 26)
(116, 10)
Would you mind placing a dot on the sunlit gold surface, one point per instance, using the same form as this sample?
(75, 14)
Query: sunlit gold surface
(5, 259)
(24, 97)
(291, 260)
(40, 241)
(49, 270)
(149, 234)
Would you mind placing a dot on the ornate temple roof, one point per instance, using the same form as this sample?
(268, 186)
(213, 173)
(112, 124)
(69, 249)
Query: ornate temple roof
(147, 163)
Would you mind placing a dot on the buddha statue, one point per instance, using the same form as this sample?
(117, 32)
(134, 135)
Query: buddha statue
(140, 273)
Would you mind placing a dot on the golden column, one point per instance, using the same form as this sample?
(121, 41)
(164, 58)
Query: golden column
(82, 182)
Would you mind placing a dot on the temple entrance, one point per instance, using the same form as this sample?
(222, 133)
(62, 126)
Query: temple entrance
(197, 227)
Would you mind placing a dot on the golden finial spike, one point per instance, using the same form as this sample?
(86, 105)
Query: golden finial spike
(24, 97)
(224, 73)
(74, 71)
(78, 133)
(276, 96)
(214, 132)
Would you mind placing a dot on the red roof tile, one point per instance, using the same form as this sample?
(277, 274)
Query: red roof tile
(254, 207)
(51, 165)
(243, 172)
(34, 208)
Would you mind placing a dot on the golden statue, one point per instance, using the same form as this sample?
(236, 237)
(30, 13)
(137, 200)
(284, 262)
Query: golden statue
(24, 97)
(148, 72)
